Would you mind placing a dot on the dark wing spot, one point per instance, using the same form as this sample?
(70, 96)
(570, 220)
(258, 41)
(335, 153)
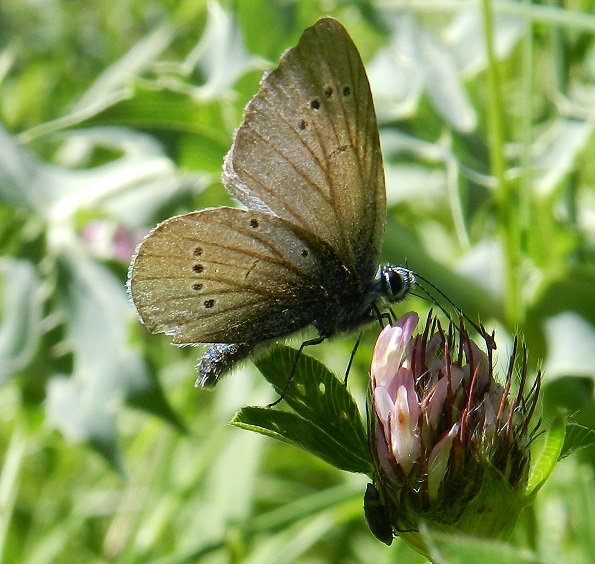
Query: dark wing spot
(198, 268)
(209, 303)
(305, 252)
(346, 91)
(302, 124)
(339, 150)
(315, 104)
(197, 286)
(328, 91)
(254, 223)
(197, 252)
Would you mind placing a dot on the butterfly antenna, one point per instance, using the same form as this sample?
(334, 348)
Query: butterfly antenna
(291, 378)
(430, 299)
(489, 339)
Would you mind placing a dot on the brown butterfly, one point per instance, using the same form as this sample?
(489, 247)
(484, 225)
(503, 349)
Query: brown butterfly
(306, 162)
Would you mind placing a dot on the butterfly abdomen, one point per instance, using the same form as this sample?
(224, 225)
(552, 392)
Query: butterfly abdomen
(218, 360)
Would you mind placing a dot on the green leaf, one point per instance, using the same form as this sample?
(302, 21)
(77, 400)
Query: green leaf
(545, 453)
(494, 510)
(569, 394)
(105, 373)
(571, 342)
(483, 527)
(560, 320)
(455, 549)
(558, 148)
(572, 395)
(443, 84)
(183, 125)
(293, 429)
(577, 437)
(315, 393)
(131, 187)
(325, 422)
(221, 54)
(21, 299)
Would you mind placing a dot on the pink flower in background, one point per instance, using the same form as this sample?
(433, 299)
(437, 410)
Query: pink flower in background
(110, 241)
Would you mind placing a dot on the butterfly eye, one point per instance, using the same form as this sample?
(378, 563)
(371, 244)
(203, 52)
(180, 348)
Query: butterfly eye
(396, 282)
(393, 282)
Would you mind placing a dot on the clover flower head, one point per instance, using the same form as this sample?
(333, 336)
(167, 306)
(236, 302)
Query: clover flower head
(441, 426)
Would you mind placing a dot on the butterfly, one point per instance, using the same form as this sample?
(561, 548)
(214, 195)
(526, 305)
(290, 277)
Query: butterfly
(306, 163)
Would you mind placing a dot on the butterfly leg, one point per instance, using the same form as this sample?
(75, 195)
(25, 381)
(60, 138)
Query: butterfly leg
(218, 360)
(384, 316)
(291, 378)
(353, 351)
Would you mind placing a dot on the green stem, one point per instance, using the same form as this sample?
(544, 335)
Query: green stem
(9, 486)
(527, 175)
(506, 197)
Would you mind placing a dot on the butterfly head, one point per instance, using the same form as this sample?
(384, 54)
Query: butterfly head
(395, 282)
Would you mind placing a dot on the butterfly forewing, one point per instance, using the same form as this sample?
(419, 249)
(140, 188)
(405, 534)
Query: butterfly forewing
(308, 148)
(229, 275)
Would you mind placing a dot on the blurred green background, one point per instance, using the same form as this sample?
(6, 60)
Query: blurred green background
(114, 116)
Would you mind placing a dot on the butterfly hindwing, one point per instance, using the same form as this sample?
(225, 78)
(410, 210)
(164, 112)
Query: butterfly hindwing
(228, 275)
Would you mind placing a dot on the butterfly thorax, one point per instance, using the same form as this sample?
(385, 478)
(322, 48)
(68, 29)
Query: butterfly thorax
(352, 303)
